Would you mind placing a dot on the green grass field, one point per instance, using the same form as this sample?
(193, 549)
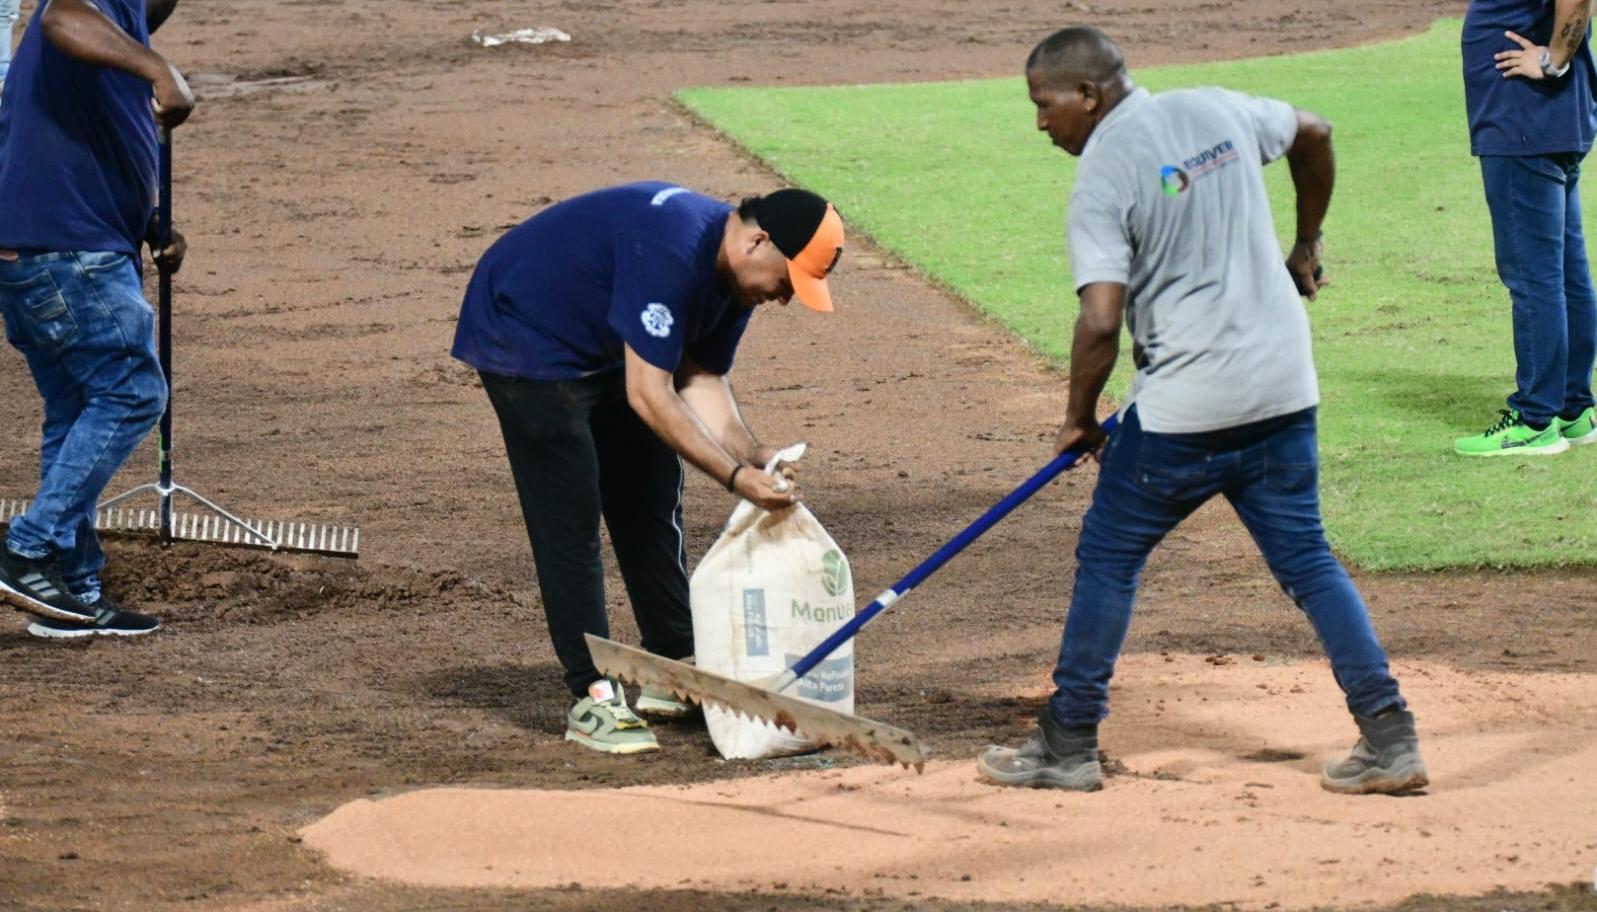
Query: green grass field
(1412, 342)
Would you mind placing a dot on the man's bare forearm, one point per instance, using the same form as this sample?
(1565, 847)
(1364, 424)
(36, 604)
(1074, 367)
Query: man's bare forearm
(1570, 20)
(1094, 350)
(1313, 165)
(80, 31)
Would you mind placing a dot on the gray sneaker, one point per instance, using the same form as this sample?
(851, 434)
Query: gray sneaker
(603, 722)
(1386, 760)
(1053, 757)
(659, 703)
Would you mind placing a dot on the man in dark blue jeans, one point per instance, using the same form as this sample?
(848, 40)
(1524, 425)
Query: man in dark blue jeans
(77, 184)
(1528, 87)
(1170, 230)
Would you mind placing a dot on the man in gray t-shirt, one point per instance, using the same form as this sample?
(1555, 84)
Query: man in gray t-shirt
(1170, 203)
(1170, 231)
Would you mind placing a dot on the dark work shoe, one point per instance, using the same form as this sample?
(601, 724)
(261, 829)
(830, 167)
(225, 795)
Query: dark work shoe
(1053, 757)
(35, 586)
(1386, 760)
(110, 619)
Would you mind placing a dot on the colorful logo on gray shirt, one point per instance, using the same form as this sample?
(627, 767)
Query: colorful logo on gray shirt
(1173, 180)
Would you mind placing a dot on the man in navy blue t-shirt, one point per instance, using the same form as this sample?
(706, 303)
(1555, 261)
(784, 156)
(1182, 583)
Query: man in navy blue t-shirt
(78, 121)
(603, 329)
(1528, 87)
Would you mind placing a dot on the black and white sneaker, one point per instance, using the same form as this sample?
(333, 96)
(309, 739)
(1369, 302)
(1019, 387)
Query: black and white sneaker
(35, 586)
(110, 619)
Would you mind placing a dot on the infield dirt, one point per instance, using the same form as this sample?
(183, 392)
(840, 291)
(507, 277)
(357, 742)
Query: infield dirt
(350, 161)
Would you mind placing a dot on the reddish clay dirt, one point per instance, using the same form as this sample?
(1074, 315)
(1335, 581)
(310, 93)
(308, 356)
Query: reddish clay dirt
(351, 160)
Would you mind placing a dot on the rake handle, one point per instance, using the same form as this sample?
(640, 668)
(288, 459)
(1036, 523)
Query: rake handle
(932, 564)
(164, 337)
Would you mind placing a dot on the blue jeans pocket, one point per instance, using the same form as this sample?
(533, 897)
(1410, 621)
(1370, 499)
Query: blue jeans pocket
(1292, 462)
(43, 318)
(1172, 471)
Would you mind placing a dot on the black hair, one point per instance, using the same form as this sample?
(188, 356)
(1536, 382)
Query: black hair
(1074, 55)
(747, 209)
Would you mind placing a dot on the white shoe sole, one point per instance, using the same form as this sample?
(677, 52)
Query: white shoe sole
(1562, 446)
(50, 633)
(639, 747)
(664, 709)
(1582, 441)
(25, 602)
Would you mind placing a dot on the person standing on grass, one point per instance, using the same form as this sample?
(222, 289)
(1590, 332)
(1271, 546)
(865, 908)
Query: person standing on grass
(78, 152)
(1170, 230)
(603, 329)
(1528, 90)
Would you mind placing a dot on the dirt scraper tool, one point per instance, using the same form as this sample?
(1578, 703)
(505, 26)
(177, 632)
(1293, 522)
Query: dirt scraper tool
(765, 699)
(218, 526)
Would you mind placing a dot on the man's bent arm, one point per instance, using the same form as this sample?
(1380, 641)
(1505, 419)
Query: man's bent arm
(79, 30)
(710, 397)
(652, 394)
(157, 12)
(1570, 19)
(82, 32)
(1313, 164)
(1092, 360)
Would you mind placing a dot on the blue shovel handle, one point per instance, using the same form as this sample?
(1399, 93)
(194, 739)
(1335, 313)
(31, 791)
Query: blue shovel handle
(934, 563)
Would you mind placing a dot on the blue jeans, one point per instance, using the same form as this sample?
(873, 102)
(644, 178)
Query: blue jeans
(88, 335)
(8, 15)
(1541, 259)
(1147, 484)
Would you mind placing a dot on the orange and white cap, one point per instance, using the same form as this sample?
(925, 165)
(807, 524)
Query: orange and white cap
(809, 232)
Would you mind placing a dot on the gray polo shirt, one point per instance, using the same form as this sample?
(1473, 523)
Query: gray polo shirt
(1170, 202)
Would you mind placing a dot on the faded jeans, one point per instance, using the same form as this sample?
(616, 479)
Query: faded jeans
(1147, 484)
(1541, 259)
(8, 16)
(81, 321)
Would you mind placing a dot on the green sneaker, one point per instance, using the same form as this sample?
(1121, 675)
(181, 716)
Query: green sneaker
(1582, 430)
(659, 703)
(602, 721)
(1512, 437)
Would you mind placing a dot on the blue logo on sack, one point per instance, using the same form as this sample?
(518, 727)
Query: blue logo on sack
(756, 639)
(830, 682)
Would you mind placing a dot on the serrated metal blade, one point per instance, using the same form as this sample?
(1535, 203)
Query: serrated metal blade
(876, 741)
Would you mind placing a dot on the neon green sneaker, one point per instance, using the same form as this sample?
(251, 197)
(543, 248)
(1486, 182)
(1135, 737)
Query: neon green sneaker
(1582, 430)
(602, 721)
(1512, 437)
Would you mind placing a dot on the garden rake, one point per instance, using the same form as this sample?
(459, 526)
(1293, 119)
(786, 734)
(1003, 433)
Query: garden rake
(219, 526)
(765, 700)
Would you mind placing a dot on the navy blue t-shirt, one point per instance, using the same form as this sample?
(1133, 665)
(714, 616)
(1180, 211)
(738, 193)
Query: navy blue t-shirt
(77, 147)
(560, 294)
(1519, 116)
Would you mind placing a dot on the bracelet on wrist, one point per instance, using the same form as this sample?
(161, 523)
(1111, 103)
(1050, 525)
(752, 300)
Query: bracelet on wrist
(731, 480)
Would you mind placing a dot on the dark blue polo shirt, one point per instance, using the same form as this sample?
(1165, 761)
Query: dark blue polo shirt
(77, 147)
(1519, 116)
(558, 296)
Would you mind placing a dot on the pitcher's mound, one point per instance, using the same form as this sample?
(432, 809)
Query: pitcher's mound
(1219, 803)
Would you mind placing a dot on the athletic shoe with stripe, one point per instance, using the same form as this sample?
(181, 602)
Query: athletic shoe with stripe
(602, 721)
(35, 586)
(110, 619)
(1511, 436)
(1580, 430)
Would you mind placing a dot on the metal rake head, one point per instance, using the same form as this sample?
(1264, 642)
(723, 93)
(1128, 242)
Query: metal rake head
(876, 741)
